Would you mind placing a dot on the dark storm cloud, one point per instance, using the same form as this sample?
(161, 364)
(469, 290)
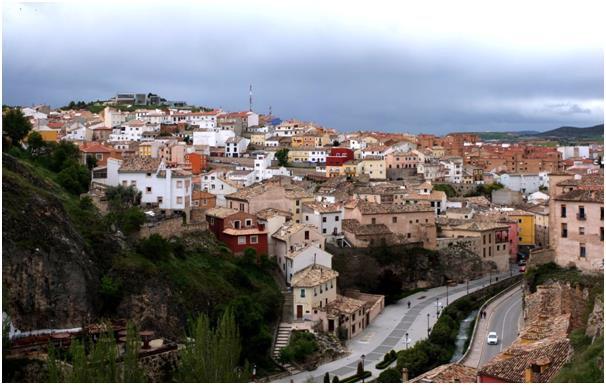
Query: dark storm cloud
(341, 77)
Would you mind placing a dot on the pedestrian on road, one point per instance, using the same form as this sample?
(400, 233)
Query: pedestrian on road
(409, 304)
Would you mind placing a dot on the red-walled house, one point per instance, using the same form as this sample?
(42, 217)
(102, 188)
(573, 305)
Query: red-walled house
(338, 156)
(198, 162)
(237, 229)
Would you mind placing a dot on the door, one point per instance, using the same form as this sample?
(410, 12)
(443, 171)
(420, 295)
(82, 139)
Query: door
(331, 325)
(299, 311)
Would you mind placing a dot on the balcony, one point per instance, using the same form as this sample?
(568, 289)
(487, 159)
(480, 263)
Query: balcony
(581, 216)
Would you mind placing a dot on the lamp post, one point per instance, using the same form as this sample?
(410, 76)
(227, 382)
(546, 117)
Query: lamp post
(254, 372)
(363, 357)
(490, 276)
(468, 287)
(437, 307)
(446, 293)
(428, 329)
(406, 340)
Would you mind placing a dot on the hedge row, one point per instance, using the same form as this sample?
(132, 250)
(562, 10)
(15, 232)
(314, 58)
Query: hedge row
(356, 377)
(388, 359)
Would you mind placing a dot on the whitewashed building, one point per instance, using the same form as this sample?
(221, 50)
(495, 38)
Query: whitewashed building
(326, 217)
(525, 183)
(215, 183)
(236, 146)
(210, 138)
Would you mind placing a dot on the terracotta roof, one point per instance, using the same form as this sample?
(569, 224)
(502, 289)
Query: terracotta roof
(344, 305)
(284, 232)
(323, 207)
(95, 147)
(448, 373)
(271, 212)
(353, 226)
(511, 364)
(386, 208)
(582, 196)
(480, 226)
(221, 212)
(140, 164)
(249, 231)
(313, 275)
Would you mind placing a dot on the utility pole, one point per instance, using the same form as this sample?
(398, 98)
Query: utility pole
(468, 287)
(428, 329)
(250, 98)
(446, 293)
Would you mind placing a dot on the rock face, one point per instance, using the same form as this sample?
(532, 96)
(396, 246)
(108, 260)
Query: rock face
(48, 275)
(595, 323)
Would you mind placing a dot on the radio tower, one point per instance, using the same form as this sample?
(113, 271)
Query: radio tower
(250, 99)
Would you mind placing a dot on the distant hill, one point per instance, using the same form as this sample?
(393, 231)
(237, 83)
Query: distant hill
(572, 132)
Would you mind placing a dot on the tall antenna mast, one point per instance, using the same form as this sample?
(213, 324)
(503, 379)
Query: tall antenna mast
(250, 98)
(269, 110)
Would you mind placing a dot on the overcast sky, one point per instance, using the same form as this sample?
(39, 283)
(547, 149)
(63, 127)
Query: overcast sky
(436, 68)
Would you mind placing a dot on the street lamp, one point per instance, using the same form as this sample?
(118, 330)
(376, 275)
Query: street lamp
(467, 286)
(428, 329)
(363, 357)
(254, 372)
(446, 293)
(437, 307)
(406, 341)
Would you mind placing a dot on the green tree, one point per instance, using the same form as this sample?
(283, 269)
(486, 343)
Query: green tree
(131, 370)
(120, 198)
(75, 179)
(282, 156)
(15, 127)
(335, 379)
(448, 189)
(390, 375)
(131, 220)
(91, 162)
(212, 354)
(36, 146)
(326, 377)
(154, 248)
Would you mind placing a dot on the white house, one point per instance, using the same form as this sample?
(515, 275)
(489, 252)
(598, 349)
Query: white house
(263, 169)
(242, 178)
(574, 152)
(301, 257)
(317, 155)
(273, 141)
(236, 146)
(132, 131)
(453, 169)
(215, 183)
(113, 117)
(525, 183)
(212, 138)
(169, 188)
(326, 217)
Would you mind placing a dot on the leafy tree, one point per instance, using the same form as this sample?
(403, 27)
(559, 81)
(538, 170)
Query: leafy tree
(390, 284)
(335, 379)
(64, 154)
(75, 179)
(131, 220)
(448, 189)
(390, 375)
(120, 198)
(301, 345)
(131, 371)
(212, 354)
(36, 146)
(15, 127)
(154, 248)
(326, 377)
(250, 256)
(282, 156)
(360, 369)
(91, 162)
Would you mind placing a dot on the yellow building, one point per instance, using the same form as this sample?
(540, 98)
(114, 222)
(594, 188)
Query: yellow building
(49, 135)
(296, 198)
(145, 149)
(298, 155)
(310, 140)
(374, 167)
(438, 151)
(526, 229)
(257, 139)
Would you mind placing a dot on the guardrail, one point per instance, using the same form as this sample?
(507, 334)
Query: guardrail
(484, 305)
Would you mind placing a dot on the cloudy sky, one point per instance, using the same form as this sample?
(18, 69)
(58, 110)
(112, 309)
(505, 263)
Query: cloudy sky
(373, 65)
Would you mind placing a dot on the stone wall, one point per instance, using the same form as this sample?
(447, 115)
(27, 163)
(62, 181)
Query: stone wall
(555, 299)
(197, 215)
(595, 323)
(166, 228)
(160, 367)
(540, 257)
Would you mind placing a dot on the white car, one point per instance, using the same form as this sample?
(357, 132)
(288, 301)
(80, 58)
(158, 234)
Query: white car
(492, 338)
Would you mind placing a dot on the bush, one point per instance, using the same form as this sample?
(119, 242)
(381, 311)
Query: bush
(130, 220)
(326, 377)
(75, 179)
(388, 359)
(391, 375)
(342, 333)
(356, 377)
(301, 345)
(154, 248)
(335, 379)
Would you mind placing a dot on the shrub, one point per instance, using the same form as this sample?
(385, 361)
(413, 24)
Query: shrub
(391, 375)
(301, 345)
(326, 377)
(75, 179)
(335, 379)
(154, 248)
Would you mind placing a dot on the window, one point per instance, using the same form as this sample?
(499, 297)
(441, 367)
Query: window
(324, 219)
(297, 211)
(241, 206)
(179, 184)
(564, 230)
(306, 235)
(297, 203)
(236, 224)
(581, 215)
(519, 221)
(204, 201)
(581, 230)
(601, 234)
(563, 211)
(394, 220)
(315, 292)
(179, 200)
(336, 218)
(302, 293)
(242, 240)
(212, 220)
(254, 239)
(133, 183)
(601, 213)
(323, 231)
(582, 250)
(417, 221)
(99, 156)
(408, 235)
(248, 222)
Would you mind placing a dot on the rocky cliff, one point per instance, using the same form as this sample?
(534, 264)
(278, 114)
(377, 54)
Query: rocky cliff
(49, 276)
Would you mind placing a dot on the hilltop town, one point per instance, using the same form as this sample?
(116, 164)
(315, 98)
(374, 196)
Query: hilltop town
(317, 203)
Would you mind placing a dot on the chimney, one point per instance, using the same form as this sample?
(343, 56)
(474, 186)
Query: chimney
(405, 375)
(528, 374)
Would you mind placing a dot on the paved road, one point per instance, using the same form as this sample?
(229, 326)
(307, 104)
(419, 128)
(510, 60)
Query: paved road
(388, 331)
(504, 319)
